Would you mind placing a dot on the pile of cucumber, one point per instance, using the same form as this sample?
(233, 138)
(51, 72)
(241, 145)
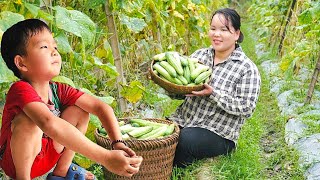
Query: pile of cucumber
(180, 70)
(142, 129)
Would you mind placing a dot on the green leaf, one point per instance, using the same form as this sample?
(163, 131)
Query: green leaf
(32, 8)
(63, 43)
(87, 91)
(64, 79)
(7, 19)
(95, 120)
(6, 74)
(94, 3)
(110, 69)
(77, 23)
(46, 16)
(106, 99)
(305, 17)
(315, 11)
(134, 24)
(107, 47)
(133, 92)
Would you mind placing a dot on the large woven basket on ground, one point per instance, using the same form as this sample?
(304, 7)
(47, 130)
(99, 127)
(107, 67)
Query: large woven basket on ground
(171, 87)
(157, 154)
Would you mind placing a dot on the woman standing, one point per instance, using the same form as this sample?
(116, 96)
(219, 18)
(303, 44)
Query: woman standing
(211, 119)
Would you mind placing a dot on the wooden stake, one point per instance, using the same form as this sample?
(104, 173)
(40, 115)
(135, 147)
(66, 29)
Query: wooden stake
(313, 81)
(114, 43)
(290, 11)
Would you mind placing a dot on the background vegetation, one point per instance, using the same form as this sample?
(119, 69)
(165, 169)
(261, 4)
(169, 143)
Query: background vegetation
(288, 30)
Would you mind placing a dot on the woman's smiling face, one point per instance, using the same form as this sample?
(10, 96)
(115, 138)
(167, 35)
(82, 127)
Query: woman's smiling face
(222, 34)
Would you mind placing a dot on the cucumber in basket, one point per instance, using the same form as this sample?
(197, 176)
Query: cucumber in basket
(142, 129)
(180, 70)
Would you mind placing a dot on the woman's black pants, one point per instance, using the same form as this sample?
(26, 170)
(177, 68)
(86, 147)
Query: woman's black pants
(199, 143)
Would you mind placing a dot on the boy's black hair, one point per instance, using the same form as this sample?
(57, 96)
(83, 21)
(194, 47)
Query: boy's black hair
(15, 39)
(232, 16)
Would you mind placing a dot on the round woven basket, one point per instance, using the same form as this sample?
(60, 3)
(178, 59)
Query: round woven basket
(171, 87)
(157, 154)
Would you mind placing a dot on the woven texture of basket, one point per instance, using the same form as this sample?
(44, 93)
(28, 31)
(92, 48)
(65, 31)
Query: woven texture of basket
(171, 87)
(157, 154)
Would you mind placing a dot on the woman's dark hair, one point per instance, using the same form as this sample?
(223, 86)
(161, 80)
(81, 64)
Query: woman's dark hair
(15, 39)
(231, 16)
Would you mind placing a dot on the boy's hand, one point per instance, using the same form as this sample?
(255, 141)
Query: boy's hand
(122, 146)
(117, 162)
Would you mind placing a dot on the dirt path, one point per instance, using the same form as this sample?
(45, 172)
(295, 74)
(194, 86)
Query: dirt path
(280, 161)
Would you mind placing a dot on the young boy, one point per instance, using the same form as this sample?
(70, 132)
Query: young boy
(44, 122)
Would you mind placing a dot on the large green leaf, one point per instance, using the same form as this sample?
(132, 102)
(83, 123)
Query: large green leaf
(133, 92)
(63, 43)
(45, 16)
(34, 10)
(7, 19)
(110, 69)
(105, 99)
(315, 11)
(6, 75)
(305, 17)
(134, 24)
(64, 79)
(77, 23)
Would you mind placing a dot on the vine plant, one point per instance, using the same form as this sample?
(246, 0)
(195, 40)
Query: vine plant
(301, 43)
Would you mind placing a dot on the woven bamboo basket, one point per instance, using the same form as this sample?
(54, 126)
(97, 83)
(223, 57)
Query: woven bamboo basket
(157, 154)
(171, 87)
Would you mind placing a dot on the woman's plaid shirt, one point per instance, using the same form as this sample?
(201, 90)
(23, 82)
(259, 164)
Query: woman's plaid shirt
(236, 86)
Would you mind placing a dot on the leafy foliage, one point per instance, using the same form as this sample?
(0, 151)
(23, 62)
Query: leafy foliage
(301, 43)
(133, 92)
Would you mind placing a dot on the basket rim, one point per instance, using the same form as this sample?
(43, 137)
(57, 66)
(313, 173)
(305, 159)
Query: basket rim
(175, 133)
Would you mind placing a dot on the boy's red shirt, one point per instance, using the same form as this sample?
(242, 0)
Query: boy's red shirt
(22, 93)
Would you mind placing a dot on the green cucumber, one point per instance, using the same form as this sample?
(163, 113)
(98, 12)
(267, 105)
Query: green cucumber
(187, 74)
(135, 125)
(201, 68)
(159, 57)
(161, 71)
(183, 80)
(156, 72)
(168, 68)
(126, 128)
(151, 133)
(125, 136)
(169, 130)
(177, 81)
(143, 122)
(191, 84)
(191, 65)
(121, 123)
(171, 79)
(175, 63)
(139, 131)
(203, 76)
(184, 61)
(194, 60)
(159, 133)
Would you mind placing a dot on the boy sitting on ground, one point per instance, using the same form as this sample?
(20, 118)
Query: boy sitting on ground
(44, 122)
